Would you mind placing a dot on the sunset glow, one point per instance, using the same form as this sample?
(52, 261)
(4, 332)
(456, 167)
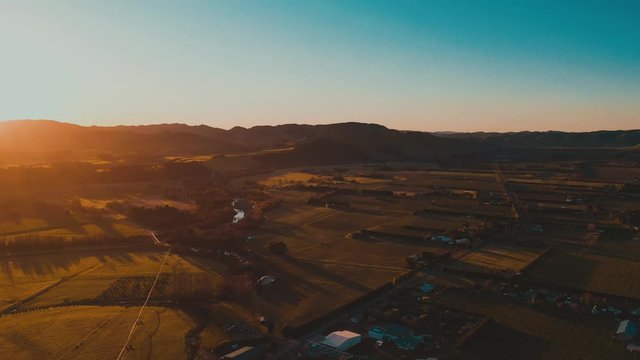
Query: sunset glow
(423, 65)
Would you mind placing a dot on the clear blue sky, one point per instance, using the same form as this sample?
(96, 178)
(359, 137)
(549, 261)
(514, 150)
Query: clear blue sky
(426, 65)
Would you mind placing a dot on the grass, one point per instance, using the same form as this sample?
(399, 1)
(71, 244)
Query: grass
(55, 332)
(523, 332)
(591, 272)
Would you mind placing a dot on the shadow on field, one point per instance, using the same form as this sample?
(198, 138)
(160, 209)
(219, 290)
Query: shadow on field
(289, 280)
(52, 264)
(496, 341)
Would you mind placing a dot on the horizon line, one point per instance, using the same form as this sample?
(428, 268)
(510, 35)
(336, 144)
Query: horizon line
(316, 124)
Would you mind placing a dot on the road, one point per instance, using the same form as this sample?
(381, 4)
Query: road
(515, 202)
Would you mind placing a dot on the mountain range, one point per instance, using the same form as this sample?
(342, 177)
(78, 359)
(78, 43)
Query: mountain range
(348, 141)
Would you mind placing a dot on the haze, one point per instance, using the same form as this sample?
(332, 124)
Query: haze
(422, 65)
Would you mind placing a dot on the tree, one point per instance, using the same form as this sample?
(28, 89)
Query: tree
(278, 248)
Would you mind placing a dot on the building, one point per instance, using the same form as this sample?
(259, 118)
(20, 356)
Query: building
(266, 280)
(627, 330)
(402, 336)
(342, 340)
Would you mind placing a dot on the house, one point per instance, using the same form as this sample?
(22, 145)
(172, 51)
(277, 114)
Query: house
(342, 340)
(402, 336)
(627, 330)
(244, 353)
(266, 280)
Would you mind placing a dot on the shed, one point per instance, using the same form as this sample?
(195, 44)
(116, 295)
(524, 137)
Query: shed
(342, 340)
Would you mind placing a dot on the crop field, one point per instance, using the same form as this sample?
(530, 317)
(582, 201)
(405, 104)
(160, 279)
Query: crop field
(522, 332)
(494, 257)
(619, 243)
(439, 221)
(21, 276)
(83, 332)
(308, 288)
(84, 275)
(346, 221)
(92, 283)
(617, 173)
(591, 272)
(369, 252)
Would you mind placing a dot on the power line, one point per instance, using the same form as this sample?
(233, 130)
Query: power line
(135, 323)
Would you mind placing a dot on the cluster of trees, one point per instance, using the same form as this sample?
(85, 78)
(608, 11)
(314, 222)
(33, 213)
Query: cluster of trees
(65, 173)
(158, 217)
(227, 237)
(180, 285)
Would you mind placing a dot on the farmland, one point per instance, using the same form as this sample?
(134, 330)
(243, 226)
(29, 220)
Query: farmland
(88, 331)
(522, 332)
(237, 253)
(590, 272)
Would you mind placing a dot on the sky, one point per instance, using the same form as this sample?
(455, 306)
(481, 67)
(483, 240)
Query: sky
(427, 65)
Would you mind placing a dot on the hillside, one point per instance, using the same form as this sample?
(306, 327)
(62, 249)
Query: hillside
(46, 140)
